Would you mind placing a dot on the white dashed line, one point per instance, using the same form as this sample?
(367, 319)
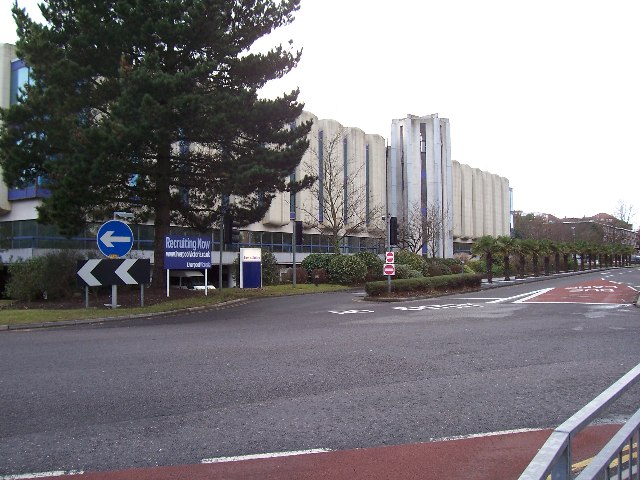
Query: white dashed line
(241, 458)
(41, 474)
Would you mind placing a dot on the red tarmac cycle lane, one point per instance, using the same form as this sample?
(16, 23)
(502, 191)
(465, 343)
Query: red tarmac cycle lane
(501, 456)
(595, 291)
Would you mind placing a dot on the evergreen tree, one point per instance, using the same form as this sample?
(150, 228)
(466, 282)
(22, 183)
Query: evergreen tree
(151, 106)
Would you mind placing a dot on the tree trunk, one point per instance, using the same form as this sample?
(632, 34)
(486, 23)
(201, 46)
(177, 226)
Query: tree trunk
(489, 268)
(506, 268)
(162, 214)
(547, 261)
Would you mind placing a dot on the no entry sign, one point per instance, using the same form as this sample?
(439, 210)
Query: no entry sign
(389, 269)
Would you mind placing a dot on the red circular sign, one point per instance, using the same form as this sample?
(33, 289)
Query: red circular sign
(389, 269)
(390, 257)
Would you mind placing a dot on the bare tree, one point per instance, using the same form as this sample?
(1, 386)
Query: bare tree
(339, 197)
(423, 227)
(435, 224)
(625, 213)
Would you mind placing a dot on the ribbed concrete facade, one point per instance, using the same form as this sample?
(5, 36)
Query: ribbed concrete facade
(481, 204)
(364, 157)
(420, 172)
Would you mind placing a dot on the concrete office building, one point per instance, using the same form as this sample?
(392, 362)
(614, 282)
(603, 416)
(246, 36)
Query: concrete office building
(419, 173)
(416, 168)
(423, 177)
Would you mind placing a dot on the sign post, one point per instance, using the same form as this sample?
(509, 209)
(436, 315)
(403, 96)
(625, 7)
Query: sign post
(120, 271)
(115, 240)
(389, 268)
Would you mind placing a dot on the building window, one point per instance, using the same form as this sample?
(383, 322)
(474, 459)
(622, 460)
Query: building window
(366, 185)
(20, 76)
(320, 175)
(345, 179)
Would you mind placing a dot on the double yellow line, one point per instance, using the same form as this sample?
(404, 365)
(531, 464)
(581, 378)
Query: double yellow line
(579, 466)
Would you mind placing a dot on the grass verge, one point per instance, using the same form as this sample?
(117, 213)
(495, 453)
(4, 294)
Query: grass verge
(18, 316)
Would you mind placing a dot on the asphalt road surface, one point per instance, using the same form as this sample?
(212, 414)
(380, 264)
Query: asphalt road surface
(326, 371)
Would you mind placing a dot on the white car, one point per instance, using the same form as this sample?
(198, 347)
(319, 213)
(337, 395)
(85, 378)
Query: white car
(188, 279)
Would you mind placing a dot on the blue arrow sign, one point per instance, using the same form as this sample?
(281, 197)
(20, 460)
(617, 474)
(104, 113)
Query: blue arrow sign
(115, 238)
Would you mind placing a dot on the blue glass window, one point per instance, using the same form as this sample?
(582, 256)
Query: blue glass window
(20, 76)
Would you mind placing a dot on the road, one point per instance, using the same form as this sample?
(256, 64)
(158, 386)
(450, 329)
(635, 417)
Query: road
(326, 371)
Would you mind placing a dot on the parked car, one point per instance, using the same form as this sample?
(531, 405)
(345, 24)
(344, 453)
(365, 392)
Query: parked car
(635, 259)
(188, 279)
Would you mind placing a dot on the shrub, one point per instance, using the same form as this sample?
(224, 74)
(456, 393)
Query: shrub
(405, 257)
(319, 275)
(316, 260)
(52, 276)
(455, 264)
(374, 265)
(436, 268)
(477, 266)
(402, 271)
(425, 285)
(415, 274)
(270, 269)
(347, 270)
(301, 275)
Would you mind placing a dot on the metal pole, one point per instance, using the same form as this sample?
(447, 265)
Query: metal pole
(293, 245)
(387, 239)
(221, 248)
(86, 297)
(142, 295)
(388, 249)
(168, 282)
(114, 296)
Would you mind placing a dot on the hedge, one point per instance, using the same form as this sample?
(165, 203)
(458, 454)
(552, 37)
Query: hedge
(425, 285)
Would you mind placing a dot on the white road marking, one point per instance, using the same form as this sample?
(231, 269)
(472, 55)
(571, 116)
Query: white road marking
(534, 295)
(351, 311)
(488, 434)
(241, 458)
(508, 299)
(419, 308)
(41, 474)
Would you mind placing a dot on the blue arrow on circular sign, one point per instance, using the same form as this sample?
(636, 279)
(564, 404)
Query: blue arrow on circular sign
(115, 238)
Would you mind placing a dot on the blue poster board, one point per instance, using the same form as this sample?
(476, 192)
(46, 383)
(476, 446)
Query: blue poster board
(250, 268)
(187, 253)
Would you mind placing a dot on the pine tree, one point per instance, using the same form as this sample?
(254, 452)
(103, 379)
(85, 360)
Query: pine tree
(151, 106)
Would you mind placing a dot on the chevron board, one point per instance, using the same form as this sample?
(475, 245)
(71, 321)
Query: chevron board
(122, 271)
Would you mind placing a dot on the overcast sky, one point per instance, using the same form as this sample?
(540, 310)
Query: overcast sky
(545, 93)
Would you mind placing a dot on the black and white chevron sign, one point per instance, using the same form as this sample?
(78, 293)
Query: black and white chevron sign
(122, 271)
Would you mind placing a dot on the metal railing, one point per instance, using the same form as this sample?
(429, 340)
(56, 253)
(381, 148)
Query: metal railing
(554, 458)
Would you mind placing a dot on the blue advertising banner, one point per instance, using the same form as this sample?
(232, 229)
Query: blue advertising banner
(185, 253)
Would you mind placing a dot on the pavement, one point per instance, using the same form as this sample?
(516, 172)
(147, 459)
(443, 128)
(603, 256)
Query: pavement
(500, 456)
